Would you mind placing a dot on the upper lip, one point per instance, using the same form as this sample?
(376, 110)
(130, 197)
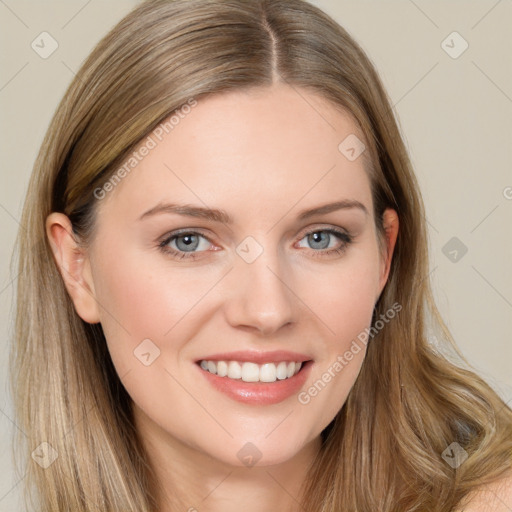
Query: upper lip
(251, 356)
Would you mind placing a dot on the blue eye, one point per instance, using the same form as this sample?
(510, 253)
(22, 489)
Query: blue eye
(322, 238)
(188, 244)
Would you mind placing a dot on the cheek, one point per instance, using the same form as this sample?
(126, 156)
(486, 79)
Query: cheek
(342, 296)
(344, 303)
(145, 298)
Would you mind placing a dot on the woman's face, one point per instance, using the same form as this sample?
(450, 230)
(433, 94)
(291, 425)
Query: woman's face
(273, 284)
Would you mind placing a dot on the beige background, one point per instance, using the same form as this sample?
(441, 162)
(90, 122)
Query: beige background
(455, 114)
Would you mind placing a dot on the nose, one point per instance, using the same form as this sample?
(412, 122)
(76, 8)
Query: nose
(260, 298)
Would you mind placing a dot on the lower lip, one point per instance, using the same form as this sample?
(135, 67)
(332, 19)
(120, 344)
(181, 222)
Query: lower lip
(259, 393)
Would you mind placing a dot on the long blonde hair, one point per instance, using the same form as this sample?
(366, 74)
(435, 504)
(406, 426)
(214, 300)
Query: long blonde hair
(383, 450)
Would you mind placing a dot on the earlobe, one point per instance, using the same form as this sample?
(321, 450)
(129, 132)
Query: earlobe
(390, 225)
(74, 266)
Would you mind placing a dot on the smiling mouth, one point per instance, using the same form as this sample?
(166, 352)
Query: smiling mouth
(253, 372)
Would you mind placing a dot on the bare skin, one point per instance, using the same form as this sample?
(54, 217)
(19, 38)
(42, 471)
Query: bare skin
(263, 157)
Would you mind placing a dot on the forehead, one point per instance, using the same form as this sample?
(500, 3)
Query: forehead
(259, 151)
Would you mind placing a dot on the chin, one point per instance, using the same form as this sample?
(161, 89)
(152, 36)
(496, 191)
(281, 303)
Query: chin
(261, 451)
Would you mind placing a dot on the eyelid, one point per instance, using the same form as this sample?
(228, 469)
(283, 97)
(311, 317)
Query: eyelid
(305, 231)
(323, 227)
(185, 231)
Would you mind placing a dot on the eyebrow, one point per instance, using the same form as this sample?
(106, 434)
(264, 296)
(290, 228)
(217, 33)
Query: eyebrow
(217, 215)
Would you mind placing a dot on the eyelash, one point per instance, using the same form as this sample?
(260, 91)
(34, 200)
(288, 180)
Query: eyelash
(163, 245)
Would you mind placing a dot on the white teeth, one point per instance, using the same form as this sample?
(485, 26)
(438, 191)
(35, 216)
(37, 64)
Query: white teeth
(281, 372)
(234, 370)
(268, 372)
(252, 372)
(222, 368)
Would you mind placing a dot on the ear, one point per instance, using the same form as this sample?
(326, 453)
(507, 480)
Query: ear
(390, 224)
(74, 266)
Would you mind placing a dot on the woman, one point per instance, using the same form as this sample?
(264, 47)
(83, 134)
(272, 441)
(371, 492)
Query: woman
(182, 342)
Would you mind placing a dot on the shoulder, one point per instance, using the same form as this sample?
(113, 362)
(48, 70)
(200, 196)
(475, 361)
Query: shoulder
(494, 497)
